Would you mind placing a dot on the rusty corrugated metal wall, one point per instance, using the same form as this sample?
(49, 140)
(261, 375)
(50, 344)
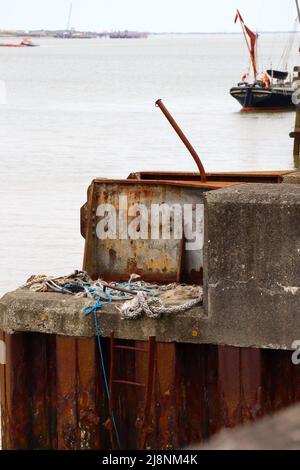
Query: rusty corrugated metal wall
(53, 393)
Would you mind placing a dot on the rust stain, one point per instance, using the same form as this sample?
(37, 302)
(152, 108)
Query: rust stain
(197, 390)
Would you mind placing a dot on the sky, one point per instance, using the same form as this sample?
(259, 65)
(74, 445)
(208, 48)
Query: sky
(148, 15)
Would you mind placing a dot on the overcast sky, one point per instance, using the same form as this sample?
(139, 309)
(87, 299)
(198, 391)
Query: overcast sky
(148, 15)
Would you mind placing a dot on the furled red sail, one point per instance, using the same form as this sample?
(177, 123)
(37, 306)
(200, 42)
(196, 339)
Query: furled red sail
(253, 38)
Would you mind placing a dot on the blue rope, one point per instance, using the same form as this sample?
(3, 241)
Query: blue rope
(72, 288)
(94, 292)
(105, 377)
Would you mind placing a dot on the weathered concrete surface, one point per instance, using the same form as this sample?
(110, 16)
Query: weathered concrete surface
(292, 178)
(252, 265)
(278, 432)
(52, 313)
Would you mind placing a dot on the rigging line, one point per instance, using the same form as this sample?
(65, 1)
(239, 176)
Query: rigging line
(69, 17)
(289, 46)
(276, 36)
(298, 9)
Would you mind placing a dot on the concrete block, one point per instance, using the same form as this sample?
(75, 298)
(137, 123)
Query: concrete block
(252, 265)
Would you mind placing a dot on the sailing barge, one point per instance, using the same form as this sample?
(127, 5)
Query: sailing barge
(273, 90)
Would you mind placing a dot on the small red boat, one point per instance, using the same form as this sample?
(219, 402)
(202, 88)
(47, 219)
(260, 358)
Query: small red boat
(10, 45)
(24, 43)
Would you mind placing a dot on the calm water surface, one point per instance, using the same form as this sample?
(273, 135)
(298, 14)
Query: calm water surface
(85, 108)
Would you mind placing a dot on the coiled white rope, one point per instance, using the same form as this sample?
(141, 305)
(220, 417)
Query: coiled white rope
(153, 307)
(142, 298)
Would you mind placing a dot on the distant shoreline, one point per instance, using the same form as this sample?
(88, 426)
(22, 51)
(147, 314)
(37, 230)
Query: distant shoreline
(94, 35)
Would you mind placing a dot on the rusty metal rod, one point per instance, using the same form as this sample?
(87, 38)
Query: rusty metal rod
(184, 139)
(117, 288)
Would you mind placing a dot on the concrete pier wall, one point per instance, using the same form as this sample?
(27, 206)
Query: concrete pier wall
(251, 281)
(215, 366)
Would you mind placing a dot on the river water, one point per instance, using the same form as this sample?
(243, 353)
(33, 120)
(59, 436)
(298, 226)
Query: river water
(80, 109)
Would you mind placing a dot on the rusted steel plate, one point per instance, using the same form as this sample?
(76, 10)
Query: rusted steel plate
(192, 394)
(166, 260)
(84, 219)
(51, 386)
(88, 226)
(166, 397)
(240, 384)
(153, 257)
(296, 382)
(84, 213)
(125, 397)
(144, 427)
(78, 411)
(242, 177)
(27, 406)
(3, 397)
(251, 384)
(229, 376)
(89, 423)
(197, 390)
(38, 378)
(211, 389)
(280, 380)
(17, 416)
(145, 372)
(182, 183)
(67, 415)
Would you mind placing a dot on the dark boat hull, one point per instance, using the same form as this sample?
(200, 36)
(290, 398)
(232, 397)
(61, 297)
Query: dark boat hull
(19, 45)
(256, 98)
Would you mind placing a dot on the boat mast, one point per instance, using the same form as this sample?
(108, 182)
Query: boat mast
(298, 9)
(251, 49)
(69, 18)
